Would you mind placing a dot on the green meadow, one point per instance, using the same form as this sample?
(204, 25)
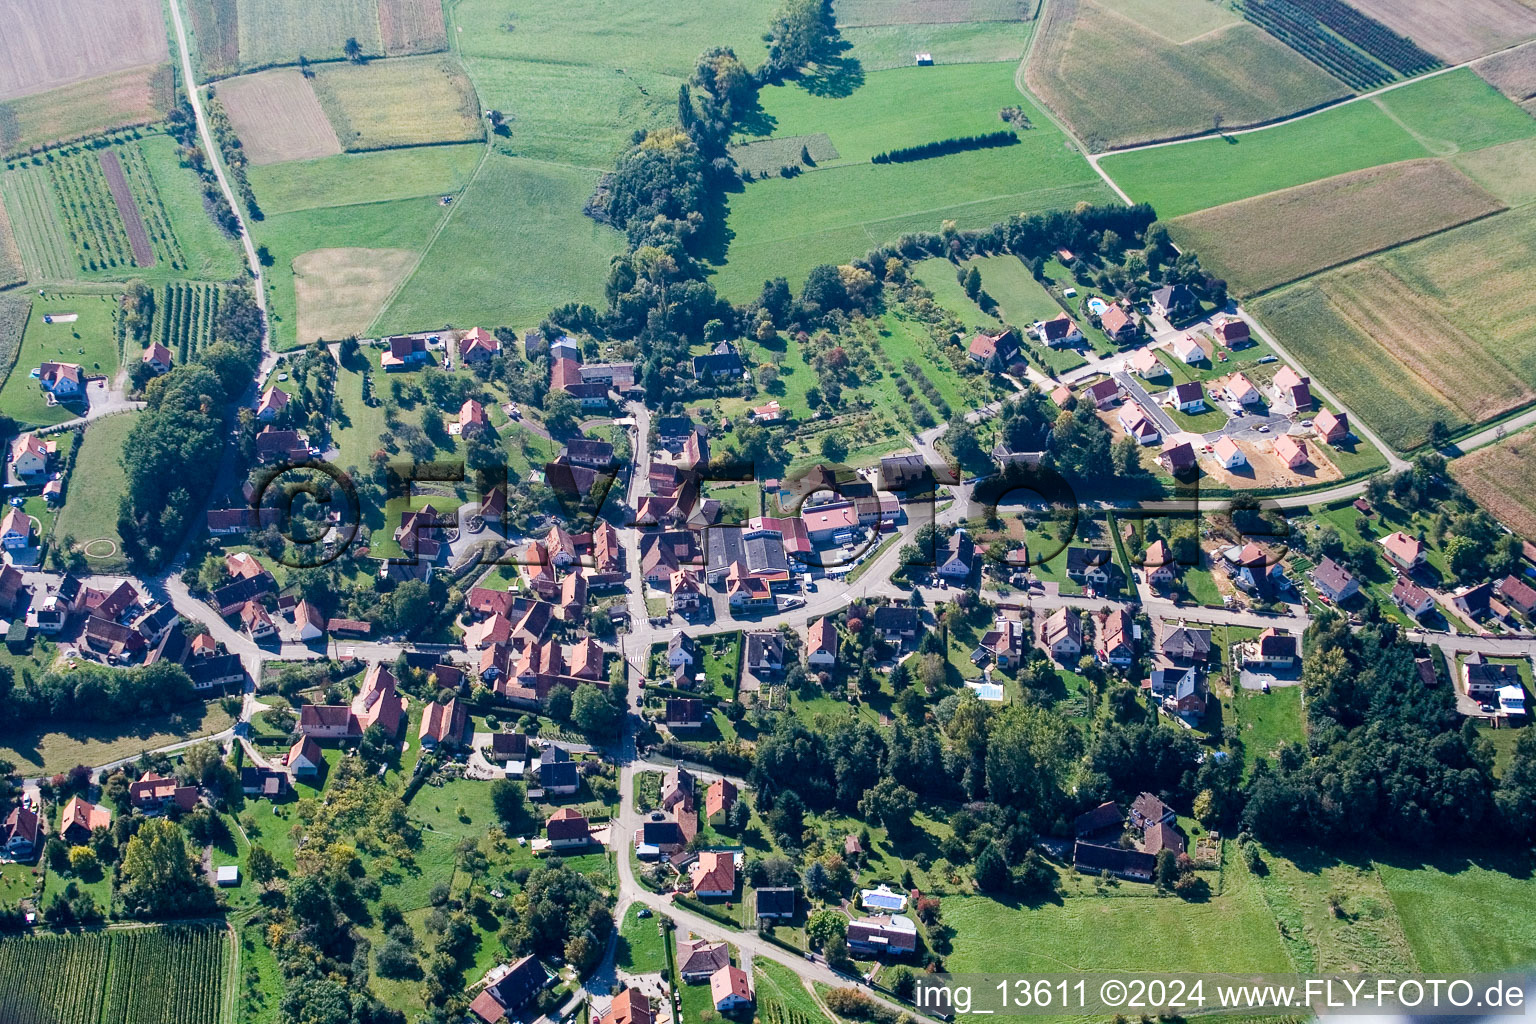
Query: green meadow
(90, 341)
(353, 178)
(1451, 113)
(785, 226)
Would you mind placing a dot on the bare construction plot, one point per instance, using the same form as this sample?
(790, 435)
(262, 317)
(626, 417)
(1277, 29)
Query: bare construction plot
(278, 117)
(48, 43)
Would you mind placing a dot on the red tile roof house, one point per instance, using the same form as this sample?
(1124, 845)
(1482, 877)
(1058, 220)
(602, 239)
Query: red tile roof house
(404, 351)
(719, 798)
(821, 645)
(1119, 325)
(30, 455)
(80, 819)
(1407, 553)
(567, 828)
(152, 793)
(1291, 451)
(713, 876)
(1330, 427)
(477, 345)
(508, 988)
(377, 702)
(729, 989)
(443, 724)
(273, 401)
(1518, 594)
(62, 380)
(1292, 389)
(1334, 581)
(1233, 333)
(994, 351)
(684, 713)
(158, 358)
(1272, 648)
(305, 758)
(894, 934)
(629, 1007)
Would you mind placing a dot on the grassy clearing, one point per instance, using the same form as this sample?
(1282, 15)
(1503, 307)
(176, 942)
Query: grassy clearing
(1502, 478)
(1177, 21)
(514, 247)
(1260, 243)
(1452, 113)
(353, 178)
(1364, 934)
(135, 96)
(90, 341)
(90, 513)
(1401, 333)
(1465, 915)
(1177, 90)
(641, 948)
(12, 270)
(1020, 298)
(400, 224)
(1132, 929)
(408, 101)
(1265, 720)
(880, 47)
(45, 750)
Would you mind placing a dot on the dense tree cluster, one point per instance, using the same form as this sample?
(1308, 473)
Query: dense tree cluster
(93, 693)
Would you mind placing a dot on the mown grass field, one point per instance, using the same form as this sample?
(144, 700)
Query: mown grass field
(879, 47)
(579, 77)
(1366, 935)
(892, 109)
(278, 31)
(356, 178)
(90, 511)
(408, 101)
(1261, 243)
(1442, 116)
(1463, 914)
(134, 96)
(89, 341)
(1502, 479)
(207, 253)
(785, 226)
(514, 246)
(1265, 720)
(398, 224)
(1227, 69)
(12, 270)
(1400, 334)
(340, 291)
(1129, 930)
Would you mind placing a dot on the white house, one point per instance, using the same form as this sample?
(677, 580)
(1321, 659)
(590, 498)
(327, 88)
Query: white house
(30, 455)
(1061, 331)
(1191, 349)
(1187, 397)
(730, 989)
(1227, 454)
(15, 530)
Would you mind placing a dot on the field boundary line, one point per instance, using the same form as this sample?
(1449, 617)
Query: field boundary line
(437, 232)
(1379, 250)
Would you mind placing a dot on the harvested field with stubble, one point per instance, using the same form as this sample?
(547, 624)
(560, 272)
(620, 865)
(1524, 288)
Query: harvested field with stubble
(852, 13)
(340, 291)
(139, 95)
(409, 101)
(216, 26)
(411, 26)
(1274, 239)
(278, 117)
(1444, 328)
(1237, 75)
(1513, 72)
(1455, 30)
(1502, 478)
(51, 43)
(1507, 171)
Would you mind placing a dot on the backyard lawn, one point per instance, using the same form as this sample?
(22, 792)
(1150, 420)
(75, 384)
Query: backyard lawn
(90, 341)
(90, 509)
